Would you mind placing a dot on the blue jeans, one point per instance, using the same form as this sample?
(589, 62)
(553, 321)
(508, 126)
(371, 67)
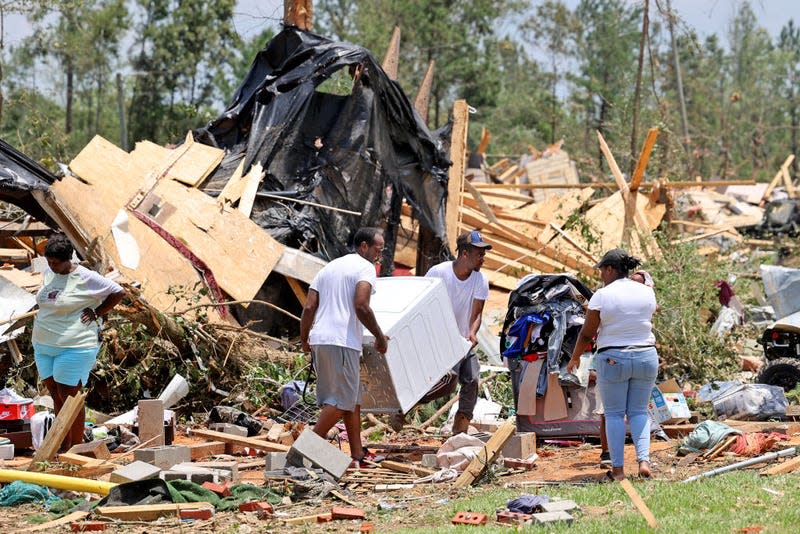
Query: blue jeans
(625, 379)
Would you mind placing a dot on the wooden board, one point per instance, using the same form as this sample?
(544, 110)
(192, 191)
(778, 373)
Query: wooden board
(23, 279)
(488, 454)
(66, 520)
(239, 440)
(458, 154)
(526, 404)
(639, 503)
(555, 403)
(61, 426)
(240, 253)
(789, 466)
(148, 512)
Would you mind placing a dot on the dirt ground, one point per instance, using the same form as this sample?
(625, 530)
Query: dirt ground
(573, 464)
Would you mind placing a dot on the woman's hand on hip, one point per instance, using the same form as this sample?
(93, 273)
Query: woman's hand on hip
(88, 315)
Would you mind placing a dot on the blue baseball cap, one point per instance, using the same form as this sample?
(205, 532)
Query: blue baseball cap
(473, 239)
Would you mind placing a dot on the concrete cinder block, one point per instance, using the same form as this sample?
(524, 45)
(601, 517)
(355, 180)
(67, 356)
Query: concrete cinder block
(275, 461)
(151, 421)
(309, 445)
(174, 475)
(134, 471)
(228, 428)
(93, 449)
(227, 470)
(565, 505)
(551, 517)
(165, 456)
(198, 474)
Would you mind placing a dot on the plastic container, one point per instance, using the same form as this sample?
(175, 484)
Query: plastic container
(415, 312)
(174, 392)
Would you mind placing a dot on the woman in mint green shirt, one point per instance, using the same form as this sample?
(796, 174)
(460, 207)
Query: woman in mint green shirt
(71, 301)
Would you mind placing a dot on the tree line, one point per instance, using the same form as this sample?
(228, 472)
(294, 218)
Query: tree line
(535, 72)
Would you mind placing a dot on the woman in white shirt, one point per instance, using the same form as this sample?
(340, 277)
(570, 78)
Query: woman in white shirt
(620, 314)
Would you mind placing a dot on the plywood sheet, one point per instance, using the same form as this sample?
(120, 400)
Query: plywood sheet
(239, 252)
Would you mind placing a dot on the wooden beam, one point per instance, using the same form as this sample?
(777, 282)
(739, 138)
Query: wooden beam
(66, 520)
(61, 427)
(609, 185)
(239, 440)
(407, 468)
(644, 158)
(488, 454)
(482, 205)
(148, 512)
(775, 181)
(484, 142)
(423, 99)
(251, 182)
(297, 289)
(639, 503)
(392, 58)
(783, 468)
(455, 180)
(298, 13)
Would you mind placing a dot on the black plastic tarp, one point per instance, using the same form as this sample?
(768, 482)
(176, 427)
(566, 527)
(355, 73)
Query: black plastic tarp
(19, 176)
(346, 151)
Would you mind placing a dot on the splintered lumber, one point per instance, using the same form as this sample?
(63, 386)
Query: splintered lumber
(251, 182)
(644, 158)
(455, 181)
(786, 467)
(778, 177)
(232, 191)
(639, 503)
(482, 205)
(149, 512)
(423, 98)
(487, 455)
(61, 426)
(240, 440)
(407, 468)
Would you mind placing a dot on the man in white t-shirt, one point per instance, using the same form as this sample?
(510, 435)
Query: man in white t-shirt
(468, 290)
(331, 329)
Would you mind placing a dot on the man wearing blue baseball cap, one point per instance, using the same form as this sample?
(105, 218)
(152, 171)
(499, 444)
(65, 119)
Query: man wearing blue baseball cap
(468, 290)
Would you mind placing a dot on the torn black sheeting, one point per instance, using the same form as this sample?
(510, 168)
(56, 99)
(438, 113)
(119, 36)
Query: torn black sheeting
(345, 151)
(19, 176)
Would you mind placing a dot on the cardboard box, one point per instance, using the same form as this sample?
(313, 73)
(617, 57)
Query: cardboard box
(16, 410)
(667, 404)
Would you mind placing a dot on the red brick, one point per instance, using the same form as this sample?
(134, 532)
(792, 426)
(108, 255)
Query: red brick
(256, 506)
(367, 527)
(513, 463)
(324, 518)
(223, 490)
(511, 518)
(468, 518)
(338, 512)
(197, 513)
(86, 526)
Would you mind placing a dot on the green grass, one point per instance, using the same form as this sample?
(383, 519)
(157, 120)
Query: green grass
(719, 504)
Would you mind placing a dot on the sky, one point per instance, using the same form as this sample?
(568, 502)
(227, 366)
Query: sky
(705, 16)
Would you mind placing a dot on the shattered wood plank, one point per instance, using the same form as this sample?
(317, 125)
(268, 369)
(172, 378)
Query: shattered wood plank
(644, 158)
(251, 182)
(61, 426)
(298, 264)
(239, 440)
(239, 252)
(775, 181)
(487, 455)
(148, 512)
(407, 468)
(639, 503)
(232, 191)
(455, 175)
(297, 289)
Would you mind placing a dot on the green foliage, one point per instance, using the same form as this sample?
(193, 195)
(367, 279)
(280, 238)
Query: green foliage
(685, 289)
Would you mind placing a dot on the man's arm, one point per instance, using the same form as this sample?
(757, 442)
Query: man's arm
(367, 317)
(307, 318)
(475, 315)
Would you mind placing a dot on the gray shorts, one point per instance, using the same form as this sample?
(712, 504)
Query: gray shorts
(338, 376)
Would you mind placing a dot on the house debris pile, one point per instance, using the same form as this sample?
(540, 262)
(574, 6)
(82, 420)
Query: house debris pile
(216, 241)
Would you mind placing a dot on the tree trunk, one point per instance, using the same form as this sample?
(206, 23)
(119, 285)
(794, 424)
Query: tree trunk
(390, 233)
(679, 87)
(638, 89)
(70, 94)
